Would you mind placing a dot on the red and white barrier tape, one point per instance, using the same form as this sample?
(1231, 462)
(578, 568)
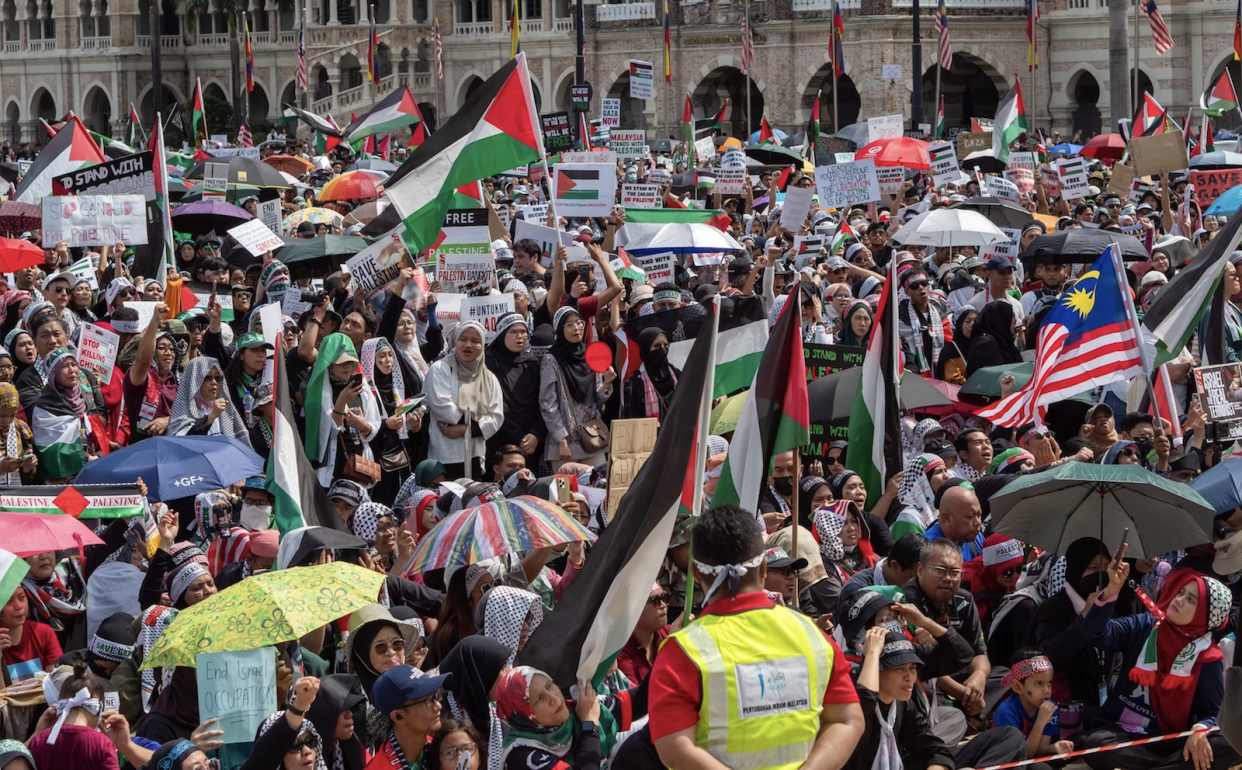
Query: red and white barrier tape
(1098, 749)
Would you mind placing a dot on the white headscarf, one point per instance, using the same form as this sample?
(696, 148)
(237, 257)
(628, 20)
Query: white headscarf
(412, 352)
(186, 409)
(475, 384)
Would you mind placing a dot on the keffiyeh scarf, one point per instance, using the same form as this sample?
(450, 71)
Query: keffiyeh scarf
(64, 593)
(912, 329)
(155, 620)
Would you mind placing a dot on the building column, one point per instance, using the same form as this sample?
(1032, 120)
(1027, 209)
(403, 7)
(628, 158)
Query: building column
(362, 11)
(332, 17)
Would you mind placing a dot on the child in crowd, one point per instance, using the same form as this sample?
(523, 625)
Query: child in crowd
(1030, 708)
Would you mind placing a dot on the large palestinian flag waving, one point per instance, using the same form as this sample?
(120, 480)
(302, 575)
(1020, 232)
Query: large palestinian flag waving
(71, 149)
(398, 109)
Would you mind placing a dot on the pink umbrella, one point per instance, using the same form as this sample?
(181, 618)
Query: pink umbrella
(27, 534)
(900, 151)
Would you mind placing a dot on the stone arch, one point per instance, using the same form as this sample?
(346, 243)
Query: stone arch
(43, 105)
(468, 84)
(215, 89)
(430, 115)
(632, 110)
(351, 71)
(971, 87)
(320, 83)
(560, 90)
(288, 95)
(97, 109)
(260, 105)
(821, 81)
(13, 121)
(1084, 83)
(723, 80)
(1146, 84)
(146, 98)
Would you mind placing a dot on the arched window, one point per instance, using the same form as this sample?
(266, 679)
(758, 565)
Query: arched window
(86, 21)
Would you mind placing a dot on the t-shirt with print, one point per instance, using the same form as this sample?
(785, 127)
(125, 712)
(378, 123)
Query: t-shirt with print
(1011, 712)
(38, 651)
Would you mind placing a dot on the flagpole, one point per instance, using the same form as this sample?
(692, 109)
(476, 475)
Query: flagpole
(1137, 18)
(936, 103)
(835, 125)
(748, 68)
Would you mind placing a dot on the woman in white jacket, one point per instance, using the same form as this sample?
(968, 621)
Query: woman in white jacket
(458, 384)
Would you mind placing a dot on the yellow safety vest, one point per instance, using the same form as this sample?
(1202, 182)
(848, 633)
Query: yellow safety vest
(764, 673)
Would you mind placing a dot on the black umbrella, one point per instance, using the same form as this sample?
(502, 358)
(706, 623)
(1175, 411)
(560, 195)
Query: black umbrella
(858, 133)
(311, 540)
(243, 171)
(984, 161)
(1081, 244)
(832, 397)
(1178, 248)
(998, 212)
(775, 154)
(311, 257)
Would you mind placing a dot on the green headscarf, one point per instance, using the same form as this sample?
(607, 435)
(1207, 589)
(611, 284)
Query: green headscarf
(319, 393)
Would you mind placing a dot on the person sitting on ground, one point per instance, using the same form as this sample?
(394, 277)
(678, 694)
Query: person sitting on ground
(1030, 707)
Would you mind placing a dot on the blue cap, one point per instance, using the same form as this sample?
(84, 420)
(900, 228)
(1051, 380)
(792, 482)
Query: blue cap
(401, 684)
(256, 482)
(1000, 263)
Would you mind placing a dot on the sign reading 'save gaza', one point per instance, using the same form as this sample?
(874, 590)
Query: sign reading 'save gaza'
(1210, 185)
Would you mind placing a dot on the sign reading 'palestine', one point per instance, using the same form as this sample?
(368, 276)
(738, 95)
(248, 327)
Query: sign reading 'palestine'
(584, 190)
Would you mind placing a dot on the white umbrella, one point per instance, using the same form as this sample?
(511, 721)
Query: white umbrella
(293, 180)
(950, 227)
(682, 238)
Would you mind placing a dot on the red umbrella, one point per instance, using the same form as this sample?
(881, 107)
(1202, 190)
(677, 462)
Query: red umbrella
(17, 254)
(1104, 147)
(351, 185)
(16, 216)
(900, 151)
(27, 534)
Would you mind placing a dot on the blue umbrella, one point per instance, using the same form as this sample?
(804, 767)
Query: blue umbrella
(1221, 486)
(1228, 203)
(176, 466)
(1064, 148)
(754, 138)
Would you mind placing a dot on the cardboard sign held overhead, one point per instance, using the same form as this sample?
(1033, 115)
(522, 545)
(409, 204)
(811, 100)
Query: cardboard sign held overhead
(1158, 154)
(1119, 182)
(973, 141)
(632, 442)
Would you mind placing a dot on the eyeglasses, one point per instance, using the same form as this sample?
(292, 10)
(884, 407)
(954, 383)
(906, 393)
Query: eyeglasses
(214, 378)
(842, 296)
(956, 574)
(519, 332)
(430, 702)
(305, 742)
(382, 528)
(397, 645)
(451, 754)
(578, 324)
(658, 599)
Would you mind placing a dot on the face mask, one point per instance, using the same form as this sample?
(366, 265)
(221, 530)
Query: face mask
(657, 358)
(783, 485)
(1087, 584)
(256, 517)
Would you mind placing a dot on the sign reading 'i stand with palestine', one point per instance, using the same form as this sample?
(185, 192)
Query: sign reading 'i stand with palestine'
(584, 190)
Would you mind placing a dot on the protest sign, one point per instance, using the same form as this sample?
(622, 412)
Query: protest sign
(464, 257)
(94, 220)
(85, 268)
(584, 190)
(944, 166)
(547, 238)
(505, 216)
(130, 175)
(809, 244)
(215, 180)
(704, 150)
(628, 144)
(1210, 185)
(1022, 160)
(796, 207)
(233, 152)
(640, 196)
(610, 112)
(999, 187)
(580, 97)
(256, 238)
(557, 132)
(972, 141)
(1051, 179)
(890, 179)
(658, 267)
(632, 443)
(1220, 391)
(1023, 179)
(1006, 248)
(448, 309)
(269, 317)
(847, 184)
(731, 181)
(1073, 175)
(884, 127)
(843, 157)
(594, 156)
(822, 360)
(103, 501)
(145, 309)
(1157, 154)
(660, 176)
(238, 689)
(642, 84)
(23, 166)
(379, 264)
(269, 215)
(292, 303)
(487, 310)
(535, 213)
(97, 348)
(823, 433)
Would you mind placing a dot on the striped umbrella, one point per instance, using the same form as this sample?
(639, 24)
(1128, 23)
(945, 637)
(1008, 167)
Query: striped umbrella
(505, 526)
(314, 215)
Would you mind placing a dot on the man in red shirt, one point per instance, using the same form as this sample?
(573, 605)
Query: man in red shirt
(756, 654)
(411, 700)
(28, 645)
(639, 652)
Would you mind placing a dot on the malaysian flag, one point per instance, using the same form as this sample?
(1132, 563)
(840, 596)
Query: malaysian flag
(942, 27)
(836, 45)
(1160, 35)
(1087, 340)
(435, 32)
(302, 56)
(748, 43)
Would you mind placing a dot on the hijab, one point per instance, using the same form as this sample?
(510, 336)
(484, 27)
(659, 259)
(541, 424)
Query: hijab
(475, 664)
(389, 389)
(337, 693)
(475, 383)
(571, 359)
(655, 363)
(1000, 553)
(10, 344)
(847, 327)
(915, 490)
(178, 701)
(517, 373)
(70, 395)
(809, 486)
(996, 322)
(171, 756)
(504, 611)
(307, 726)
(189, 408)
(412, 353)
(513, 707)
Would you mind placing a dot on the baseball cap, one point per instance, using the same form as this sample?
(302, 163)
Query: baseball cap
(65, 276)
(973, 262)
(265, 543)
(836, 263)
(401, 684)
(1098, 410)
(898, 651)
(262, 393)
(777, 558)
(252, 340)
(641, 293)
(1000, 263)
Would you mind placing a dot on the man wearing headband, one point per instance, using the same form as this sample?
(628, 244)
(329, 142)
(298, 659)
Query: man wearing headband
(748, 684)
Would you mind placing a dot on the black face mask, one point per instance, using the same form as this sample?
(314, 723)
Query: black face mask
(1088, 584)
(783, 485)
(657, 358)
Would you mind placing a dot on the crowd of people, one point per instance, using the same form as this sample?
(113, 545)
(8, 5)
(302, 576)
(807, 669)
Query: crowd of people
(830, 626)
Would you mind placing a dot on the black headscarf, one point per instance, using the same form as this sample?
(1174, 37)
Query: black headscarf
(179, 700)
(360, 663)
(996, 323)
(809, 486)
(475, 663)
(171, 756)
(337, 693)
(1080, 553)
(656, 363)
(518, 373)
(579, 378)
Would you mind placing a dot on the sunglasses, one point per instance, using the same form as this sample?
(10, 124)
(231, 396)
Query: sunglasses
(1011, 572)
(214, 378)
(658, 599)
(305, 742)
(397, 645)
(59, 289)
(918, 285)
(124, 293)
(807, 305)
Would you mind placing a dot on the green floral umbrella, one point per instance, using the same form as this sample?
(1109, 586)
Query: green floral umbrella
(264, 610)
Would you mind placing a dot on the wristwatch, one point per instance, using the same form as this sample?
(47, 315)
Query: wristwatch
(589, 728)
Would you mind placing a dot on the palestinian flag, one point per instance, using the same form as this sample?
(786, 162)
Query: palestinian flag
(177, 160)
(1175, 313)
(940, 121)
(398, 109)
(70, 150)
(743, 336)
(704, 179)
(844, 233)
(812, 129)
(300, 500)
(715, 123)
(875, 403)
(325, 144)
(166, 255)
(112, 148)
(782, 179)
(1010, 123)
(671, 216)
(13, 570)
(775, 416)
(1221, 97)
(135, 125)
(198, 114)
(766, 135)
(498, 129)
(324, 126)
(1207, 141)
(418, 135)
(604, 602)
(687, 121)
(577, 183)
(600, 134)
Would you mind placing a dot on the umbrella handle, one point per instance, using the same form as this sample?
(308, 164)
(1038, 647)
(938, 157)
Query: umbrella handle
(81, 548)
